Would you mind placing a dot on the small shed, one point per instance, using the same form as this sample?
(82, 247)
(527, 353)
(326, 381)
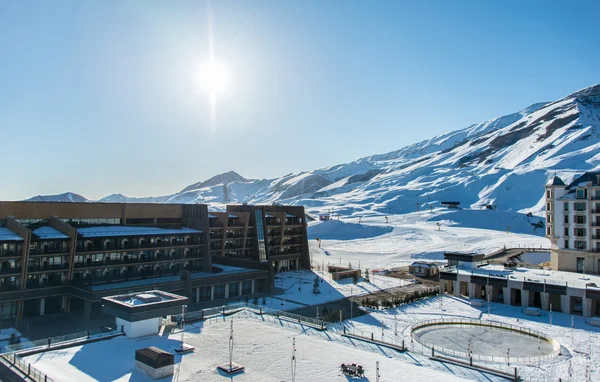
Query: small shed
(424, 268)
(324, 217)
(156, 362)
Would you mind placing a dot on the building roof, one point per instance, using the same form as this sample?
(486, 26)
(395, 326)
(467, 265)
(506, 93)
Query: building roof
(154, 353)
(424, 264)
(46, 232)
(464, 256)
(8, 235)
(122, 230)
(585, 178)
(556, 181)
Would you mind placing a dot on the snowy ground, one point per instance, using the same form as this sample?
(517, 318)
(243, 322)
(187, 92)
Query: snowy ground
(265, 349)
(576, 343)
(297, 288)
(416, 236)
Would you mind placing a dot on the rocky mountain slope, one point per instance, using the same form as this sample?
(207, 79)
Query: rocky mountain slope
(503, 161)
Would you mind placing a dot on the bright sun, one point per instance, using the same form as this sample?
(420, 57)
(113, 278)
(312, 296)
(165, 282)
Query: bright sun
(214, 78)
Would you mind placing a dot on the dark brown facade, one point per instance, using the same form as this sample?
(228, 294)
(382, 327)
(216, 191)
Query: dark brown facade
(57, 257)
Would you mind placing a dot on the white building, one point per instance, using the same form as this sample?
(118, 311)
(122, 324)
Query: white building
(573, 223)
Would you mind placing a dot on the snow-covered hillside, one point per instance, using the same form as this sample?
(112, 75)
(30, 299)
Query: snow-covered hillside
(503, 161)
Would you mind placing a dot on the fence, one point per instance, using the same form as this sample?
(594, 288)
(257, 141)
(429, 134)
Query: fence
(478, 357)
(26, 368)
(46, 342)
(236, 307)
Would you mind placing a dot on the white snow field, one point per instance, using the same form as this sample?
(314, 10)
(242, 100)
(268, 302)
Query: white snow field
(416, 236)
(575, 343)
(264, 348)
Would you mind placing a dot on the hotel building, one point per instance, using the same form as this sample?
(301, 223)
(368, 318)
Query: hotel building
(64, 257)
(573, 223)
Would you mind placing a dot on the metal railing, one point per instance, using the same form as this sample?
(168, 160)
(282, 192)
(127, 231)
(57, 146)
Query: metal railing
(50, 341)
(479, 357)
(26, 368)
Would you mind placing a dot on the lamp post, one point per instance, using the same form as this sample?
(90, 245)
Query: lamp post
(182, 323)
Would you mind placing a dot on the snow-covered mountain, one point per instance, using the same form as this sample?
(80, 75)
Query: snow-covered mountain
(503, 161)
(66, 197)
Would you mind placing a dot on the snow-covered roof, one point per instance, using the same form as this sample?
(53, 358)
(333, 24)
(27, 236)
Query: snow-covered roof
(121, 230)
(556, 181)
(47, 232)
(226, 270)
(583, 180)
(8, 235)
(424, 264)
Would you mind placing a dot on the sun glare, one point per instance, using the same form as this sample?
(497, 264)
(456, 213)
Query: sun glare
(214, 78)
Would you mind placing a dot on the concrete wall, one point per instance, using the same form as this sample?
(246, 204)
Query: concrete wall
(138, 328)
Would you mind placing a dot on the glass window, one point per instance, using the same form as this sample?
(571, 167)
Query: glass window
(247, 287)
(580, 193)
(566, 206)
(566, 219)
(219, 291)
(580, 264)
(234, 289)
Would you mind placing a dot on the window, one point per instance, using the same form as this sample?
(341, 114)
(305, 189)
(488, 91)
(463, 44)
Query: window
(566, 219)
(549, 218)
(548, 194)
(566, 231)
(548, 206)
(580, 232)
(580, 244)
(548, 231)
(580, 193)
(220, 291)
(579, 206)
(566, 243)
(580, 264)
(566, 206)
(579, 219)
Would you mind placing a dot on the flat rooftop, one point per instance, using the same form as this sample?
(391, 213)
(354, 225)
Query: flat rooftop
(47, 232)
(571, 279)
(265, 349)
(122, 230)
(152, 297)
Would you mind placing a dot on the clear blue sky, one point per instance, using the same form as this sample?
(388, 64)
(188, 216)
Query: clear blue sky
(99, 97)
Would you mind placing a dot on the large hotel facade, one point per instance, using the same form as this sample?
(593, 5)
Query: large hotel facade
(573, 223)
(64, 257)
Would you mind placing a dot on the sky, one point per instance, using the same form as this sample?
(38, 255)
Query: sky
(101, 97)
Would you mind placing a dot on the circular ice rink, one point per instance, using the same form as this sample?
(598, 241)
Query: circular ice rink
(484, 340)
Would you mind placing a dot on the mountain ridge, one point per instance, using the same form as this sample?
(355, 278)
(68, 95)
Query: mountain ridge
(503, 161)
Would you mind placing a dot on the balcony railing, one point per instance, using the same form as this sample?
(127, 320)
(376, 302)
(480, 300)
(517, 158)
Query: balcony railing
(45, 284)
(6, 287)
(10, 253)
(47, 268)
(48, 251)
(92, 247)
(132, 261)
(11, 271)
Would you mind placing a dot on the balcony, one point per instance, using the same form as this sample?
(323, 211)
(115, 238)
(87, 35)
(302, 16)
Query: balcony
(595, 224)
(48, 250)
(138, 261)
(46, 284)
(10, 271)
(595, 211)
(144, 245)
(7, 287)
(10, 253)
(47, 268)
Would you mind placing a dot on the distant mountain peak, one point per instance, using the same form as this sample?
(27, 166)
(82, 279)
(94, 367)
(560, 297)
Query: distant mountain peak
(64, 197)
(224, 178)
